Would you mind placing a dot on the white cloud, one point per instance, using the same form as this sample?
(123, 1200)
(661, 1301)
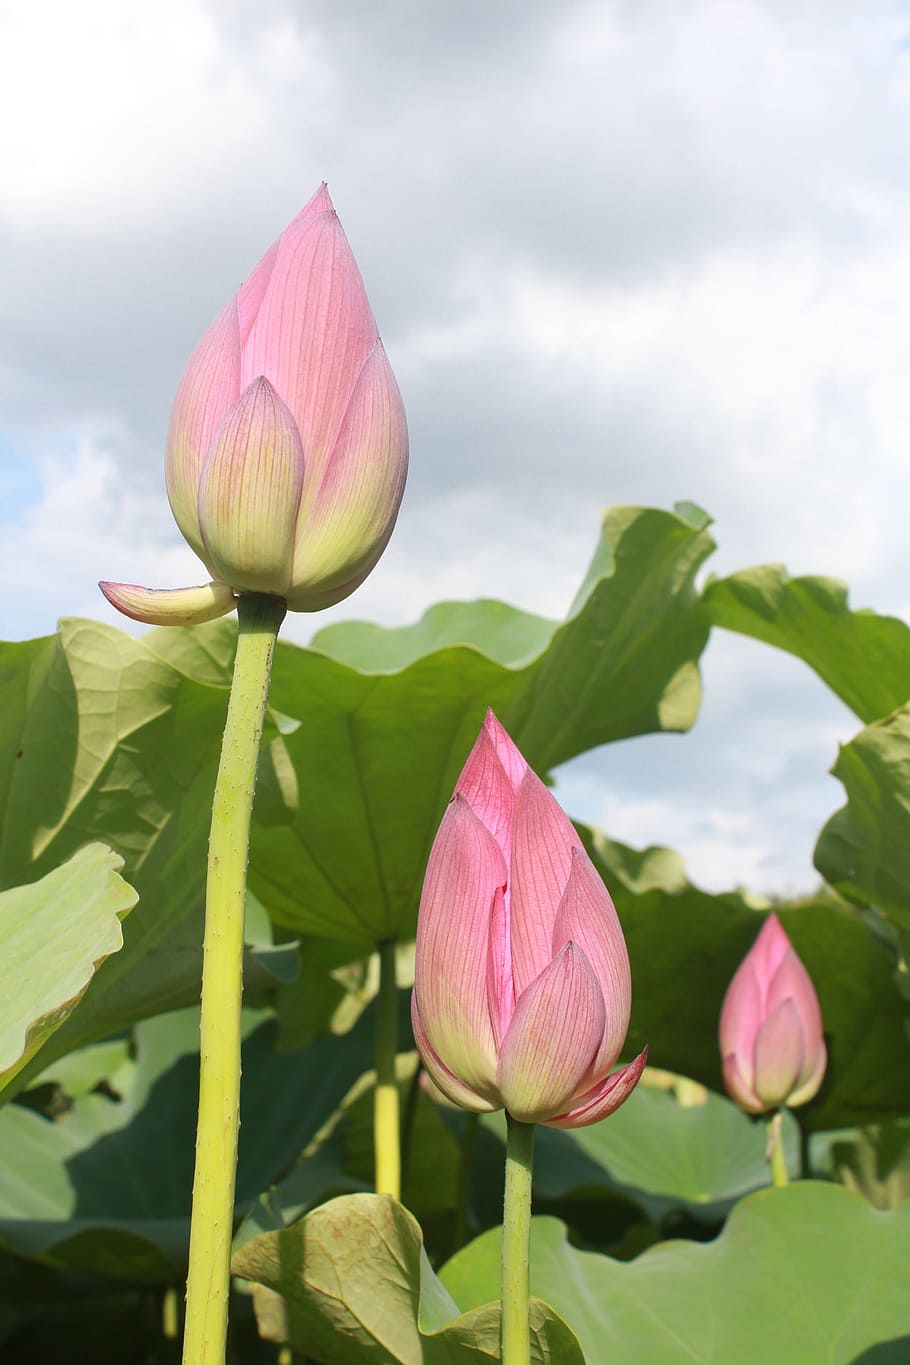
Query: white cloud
(125, 111)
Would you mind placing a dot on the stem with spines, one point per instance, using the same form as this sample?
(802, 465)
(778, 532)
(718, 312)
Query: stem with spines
(516, 1242)
(386, 1122)
(211, 1229)
(775, 1150)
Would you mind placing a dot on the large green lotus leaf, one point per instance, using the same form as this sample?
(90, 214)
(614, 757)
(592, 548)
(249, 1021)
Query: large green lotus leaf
(104, 737)
(349, 801)
(685, 945)
(864, 849)
(666, 1157)
(864, 658)
(351, 1285)
(106, 1186)
(810, 1273)
(55, 933)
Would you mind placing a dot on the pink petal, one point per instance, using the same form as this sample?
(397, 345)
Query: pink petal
(208, 390)
(170, 606)
(542, 842)
(806, 1089)
(465, 870)
(779, 1054)
(252, 292)
(791, 981)
(313, 330)
(487, 787)
(500, 987)
(249, 492)
(586, 916)
(553, 1037)
(768, 951)
(450, 1085)
(508, 753)
(607, 1097)
(741, 1015)
(347, 516)
(738, 1087)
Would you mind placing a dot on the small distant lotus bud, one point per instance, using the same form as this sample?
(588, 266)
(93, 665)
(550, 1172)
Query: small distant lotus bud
(771, 1027)
(522, 989)
(287, 450)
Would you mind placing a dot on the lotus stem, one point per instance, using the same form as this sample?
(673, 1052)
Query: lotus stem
(211, 1230)
(775, 1150)
(516, 1243)
(386, 1137)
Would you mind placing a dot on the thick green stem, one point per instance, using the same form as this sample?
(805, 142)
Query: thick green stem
(386, 1139)
(516, 1243)
(774, 1151)
(211, 1230)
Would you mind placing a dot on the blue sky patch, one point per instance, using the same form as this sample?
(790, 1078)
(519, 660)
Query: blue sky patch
(20, 480)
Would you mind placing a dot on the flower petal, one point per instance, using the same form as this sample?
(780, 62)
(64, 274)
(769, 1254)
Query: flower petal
(464, 871)
(542, 843)
(500, 987)
(768, 951)
(208, 390)
(489, 786)
(780, 1053)
(348, 513)
(806, 1089)
(249, 492)
(587, 916)
(508, 753)
(738, 1086)
(791, 981)
(741, 1016)
(314, 329)
(607, 1097)
(170, 606)
(553, 1037)
(450, 1085)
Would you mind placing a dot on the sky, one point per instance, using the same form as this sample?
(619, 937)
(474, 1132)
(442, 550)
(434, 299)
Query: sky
(632, 251)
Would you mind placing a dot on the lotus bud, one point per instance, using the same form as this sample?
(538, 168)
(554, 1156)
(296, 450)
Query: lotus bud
(771, 1027)
(522, 989)
(287, 449)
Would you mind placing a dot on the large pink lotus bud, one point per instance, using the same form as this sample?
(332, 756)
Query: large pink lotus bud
(287, 450)
(522, 989)
(771, 1027)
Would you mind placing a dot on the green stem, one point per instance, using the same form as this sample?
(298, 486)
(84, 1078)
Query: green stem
(516, 1242)
(386, 1138)
(774, 1151)
(211, 1230)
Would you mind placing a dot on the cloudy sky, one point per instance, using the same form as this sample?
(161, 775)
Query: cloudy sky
(624, 251)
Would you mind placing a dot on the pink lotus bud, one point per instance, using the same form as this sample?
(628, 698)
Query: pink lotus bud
(522, 988)
(287, 450)
(771, 1027)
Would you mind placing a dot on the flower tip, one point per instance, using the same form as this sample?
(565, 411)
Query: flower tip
(320, 202)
